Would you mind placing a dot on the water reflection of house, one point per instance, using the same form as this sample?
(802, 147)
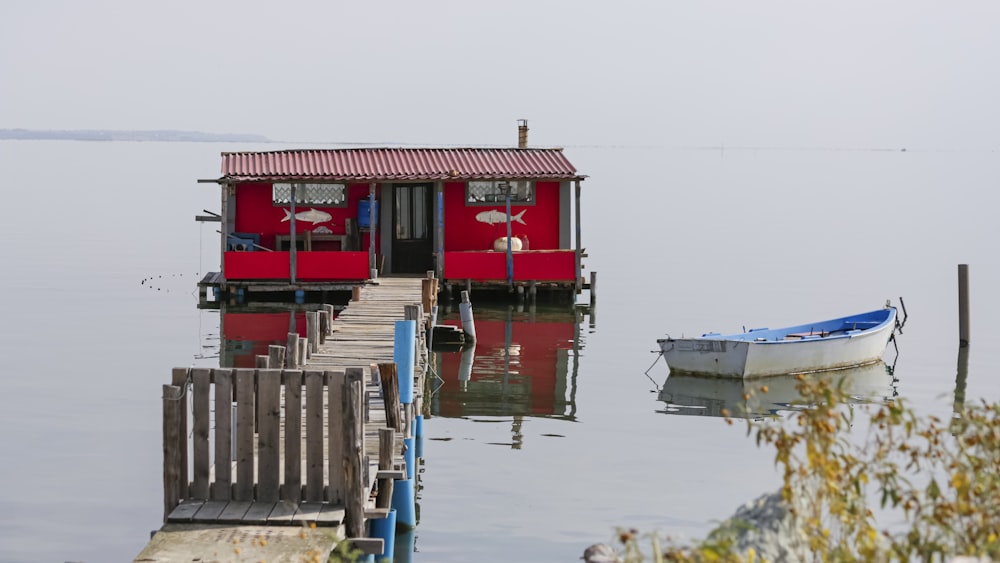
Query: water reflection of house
(309, 220)
(247, 333)
(523, 364)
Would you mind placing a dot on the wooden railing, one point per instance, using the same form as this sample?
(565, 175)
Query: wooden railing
(286, 443)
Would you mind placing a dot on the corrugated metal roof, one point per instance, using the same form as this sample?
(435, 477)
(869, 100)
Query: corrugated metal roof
(397, 164)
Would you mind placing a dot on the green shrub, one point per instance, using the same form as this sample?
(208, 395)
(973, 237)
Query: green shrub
(943, 477)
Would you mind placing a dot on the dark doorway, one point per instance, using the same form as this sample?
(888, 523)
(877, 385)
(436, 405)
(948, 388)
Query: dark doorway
(412, 245)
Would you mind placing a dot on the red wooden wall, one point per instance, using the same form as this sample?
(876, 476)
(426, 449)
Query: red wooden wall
(256, 212)
(463, 232)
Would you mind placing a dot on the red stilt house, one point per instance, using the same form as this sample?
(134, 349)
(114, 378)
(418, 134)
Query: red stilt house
(328, 219)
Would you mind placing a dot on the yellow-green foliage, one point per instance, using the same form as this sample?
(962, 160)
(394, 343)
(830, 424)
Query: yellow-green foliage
(942, 476)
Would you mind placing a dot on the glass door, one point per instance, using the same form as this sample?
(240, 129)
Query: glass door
(412, 243)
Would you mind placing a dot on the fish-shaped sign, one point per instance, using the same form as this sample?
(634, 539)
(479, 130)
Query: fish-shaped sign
(493, 216)
(313, 216)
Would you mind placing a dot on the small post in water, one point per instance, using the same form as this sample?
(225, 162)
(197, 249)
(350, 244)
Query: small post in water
(963, 305)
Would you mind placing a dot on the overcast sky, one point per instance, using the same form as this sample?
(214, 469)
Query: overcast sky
(796, 73)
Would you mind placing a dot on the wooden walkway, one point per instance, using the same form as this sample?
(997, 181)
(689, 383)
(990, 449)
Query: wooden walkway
(290, 459)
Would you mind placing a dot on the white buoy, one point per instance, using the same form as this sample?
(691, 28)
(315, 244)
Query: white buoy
(465, 314)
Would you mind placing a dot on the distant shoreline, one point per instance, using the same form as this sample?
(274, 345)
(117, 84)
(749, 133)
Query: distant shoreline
(166, 135)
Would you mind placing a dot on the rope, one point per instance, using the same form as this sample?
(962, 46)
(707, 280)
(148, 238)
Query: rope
(658, 356)
(184, 389)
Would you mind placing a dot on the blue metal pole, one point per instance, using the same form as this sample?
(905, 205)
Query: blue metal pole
(371, 228)
(403, 352)
(440, 235)
(510, 253)
(291, 260)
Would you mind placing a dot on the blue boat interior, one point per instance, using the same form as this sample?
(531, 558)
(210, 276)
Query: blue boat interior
(841, 327)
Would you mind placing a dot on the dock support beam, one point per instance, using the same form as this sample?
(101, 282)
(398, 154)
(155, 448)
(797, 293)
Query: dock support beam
(371, 230)
(579, 248)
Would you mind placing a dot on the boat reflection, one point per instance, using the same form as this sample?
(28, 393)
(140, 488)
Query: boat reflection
(769, 396)
(523, 363)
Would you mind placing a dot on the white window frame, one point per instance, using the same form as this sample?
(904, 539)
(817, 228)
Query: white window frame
(308, 194)
(522, 192)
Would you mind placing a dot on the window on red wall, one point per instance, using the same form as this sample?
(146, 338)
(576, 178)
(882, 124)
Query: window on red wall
(492, 192)
(325, 195)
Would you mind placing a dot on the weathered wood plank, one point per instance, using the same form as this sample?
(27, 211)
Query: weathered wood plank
(390, 394)
(332, 515)
(292, 487)
(368, 546)
(222, 485)
(201, 389)
(353, 452)
(185, 511)
(235, 511)
(282, 513)
(258, 513)
(268, 435)
(179, 378)
(335, 436)
(308, 512)
(243, 489)
(210, 511)
(171, 398)
(314, 435)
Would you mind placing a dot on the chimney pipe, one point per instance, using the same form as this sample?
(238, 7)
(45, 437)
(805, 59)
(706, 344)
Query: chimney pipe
(522, 133)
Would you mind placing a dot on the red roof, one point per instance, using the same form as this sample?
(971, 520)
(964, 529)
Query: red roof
(378, 164)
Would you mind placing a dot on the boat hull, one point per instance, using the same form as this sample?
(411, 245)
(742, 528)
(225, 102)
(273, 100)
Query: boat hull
(827, 346)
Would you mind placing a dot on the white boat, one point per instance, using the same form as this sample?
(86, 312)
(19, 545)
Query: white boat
(825, 345)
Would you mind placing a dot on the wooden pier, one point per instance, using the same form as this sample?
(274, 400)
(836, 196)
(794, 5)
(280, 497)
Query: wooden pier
(289, 460)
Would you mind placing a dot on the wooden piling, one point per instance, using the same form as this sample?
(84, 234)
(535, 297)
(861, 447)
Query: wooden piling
(292, 359)
(390, 394)
(312, 330)
(428, 291)
(173, 397)
(593, 289)
(324, 325)
(386, 455)
(354, 448)
(275, 356)
(963, 305)
(356, 293)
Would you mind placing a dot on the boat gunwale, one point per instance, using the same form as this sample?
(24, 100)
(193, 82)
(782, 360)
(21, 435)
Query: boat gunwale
(889, 319)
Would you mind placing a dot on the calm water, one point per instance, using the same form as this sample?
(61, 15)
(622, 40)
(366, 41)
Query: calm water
(557, 436)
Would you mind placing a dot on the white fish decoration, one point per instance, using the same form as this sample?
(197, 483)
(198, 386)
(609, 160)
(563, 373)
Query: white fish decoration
(493, 216)
(313, 216)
